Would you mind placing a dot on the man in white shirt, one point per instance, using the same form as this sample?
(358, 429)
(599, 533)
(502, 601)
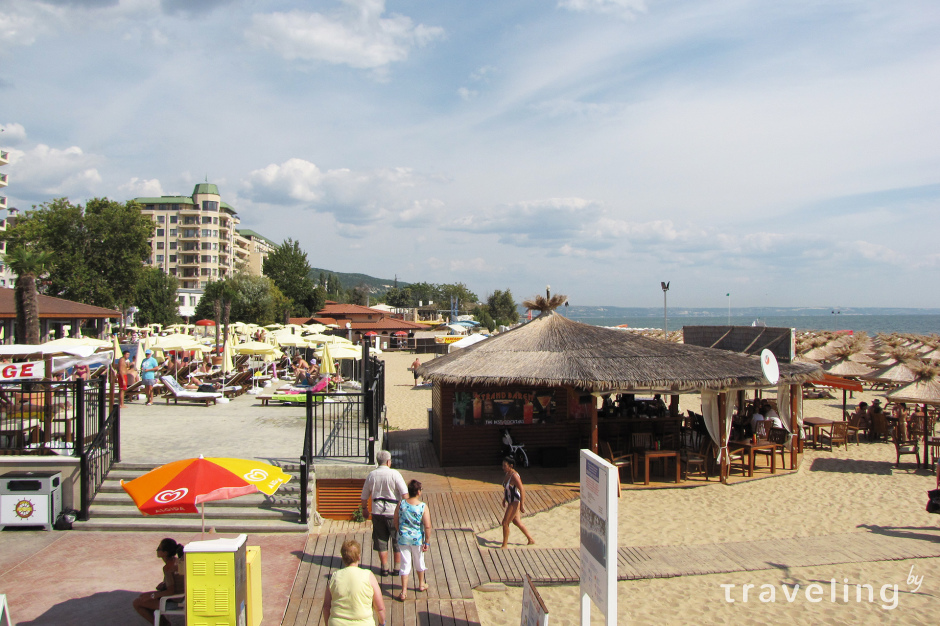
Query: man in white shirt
(386, 488)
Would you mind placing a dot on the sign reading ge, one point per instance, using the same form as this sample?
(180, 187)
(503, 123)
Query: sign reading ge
(21, 371)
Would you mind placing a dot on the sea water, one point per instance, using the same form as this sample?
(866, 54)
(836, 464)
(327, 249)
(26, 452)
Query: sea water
(871, 324)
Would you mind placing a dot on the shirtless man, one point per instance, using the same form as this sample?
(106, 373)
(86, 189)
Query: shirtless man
(122, 376)
(414, 369)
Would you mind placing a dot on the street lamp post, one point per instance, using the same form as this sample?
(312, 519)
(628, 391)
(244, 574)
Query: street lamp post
(665, 317)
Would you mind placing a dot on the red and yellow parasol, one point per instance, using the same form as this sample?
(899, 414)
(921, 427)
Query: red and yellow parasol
(181, 486)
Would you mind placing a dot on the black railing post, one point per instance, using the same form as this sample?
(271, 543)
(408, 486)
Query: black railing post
(79, 447)
(102, 404)
(117, 434)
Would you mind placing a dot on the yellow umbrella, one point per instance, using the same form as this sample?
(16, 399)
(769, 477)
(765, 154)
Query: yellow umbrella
(326, 361)
(291, 341)
(72, 342)
(255, 347)
(341, 352)
(227, 363)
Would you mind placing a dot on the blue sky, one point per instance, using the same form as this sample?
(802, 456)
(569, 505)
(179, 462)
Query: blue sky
(786, 152)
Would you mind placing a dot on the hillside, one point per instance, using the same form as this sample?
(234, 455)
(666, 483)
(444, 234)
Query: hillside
(348, 281)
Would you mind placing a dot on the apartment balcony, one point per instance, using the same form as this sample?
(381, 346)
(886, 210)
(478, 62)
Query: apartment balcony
(3, 180)
(188, 233)
(3, 202)
(189, 208)
(4, 157)
(188, 261)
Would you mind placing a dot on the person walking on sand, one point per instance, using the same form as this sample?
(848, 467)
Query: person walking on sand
(414, 369)
(386, 488)
(148, 374)
(514, 501)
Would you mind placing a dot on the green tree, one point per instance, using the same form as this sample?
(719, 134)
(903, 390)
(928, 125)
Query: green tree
(252, 299)
(502, 308)
(155, 297)
(424, 293)
(99, 249)
(466, 299)
(287, 266)
(483, 316)
(334, 289)
(28, 265)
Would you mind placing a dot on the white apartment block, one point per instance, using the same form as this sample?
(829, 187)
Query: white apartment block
(196, 240)
(7, 278)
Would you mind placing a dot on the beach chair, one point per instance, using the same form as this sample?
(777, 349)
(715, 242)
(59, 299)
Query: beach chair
(904, 445)
(879, 427)
(170, 605)
(838, 435)
(177, 392)
(778, 437)
(855, 426)
(697, 459)
(620, 462)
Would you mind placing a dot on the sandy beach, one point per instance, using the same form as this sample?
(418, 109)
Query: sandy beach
(848, 490)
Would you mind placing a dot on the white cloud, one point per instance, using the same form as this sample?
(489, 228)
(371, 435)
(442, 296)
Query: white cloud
(622, 8)
(354, 198)
(467, 94)
(358, 35)
(138, 187)
(48, 170)
(13, 134)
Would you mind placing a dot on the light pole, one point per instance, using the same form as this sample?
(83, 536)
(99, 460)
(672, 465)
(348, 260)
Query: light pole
(665, 317)
(729, 309)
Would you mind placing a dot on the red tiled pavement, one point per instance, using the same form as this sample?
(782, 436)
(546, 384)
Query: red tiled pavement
(91, 578)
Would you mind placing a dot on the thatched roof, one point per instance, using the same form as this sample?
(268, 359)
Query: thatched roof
(897, 373)
(846, 367)
(552, 350)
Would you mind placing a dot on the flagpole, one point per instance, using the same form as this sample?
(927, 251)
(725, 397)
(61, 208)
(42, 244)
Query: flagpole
(729, 309)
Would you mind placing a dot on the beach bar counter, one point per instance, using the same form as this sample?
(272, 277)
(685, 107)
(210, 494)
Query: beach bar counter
(560, 385)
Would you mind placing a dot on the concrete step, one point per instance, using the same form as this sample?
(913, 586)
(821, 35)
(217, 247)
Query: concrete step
(193, 523)
(212, 511)
(257, 500)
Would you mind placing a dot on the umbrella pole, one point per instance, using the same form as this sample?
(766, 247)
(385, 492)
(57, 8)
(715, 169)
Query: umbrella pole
(203, 505)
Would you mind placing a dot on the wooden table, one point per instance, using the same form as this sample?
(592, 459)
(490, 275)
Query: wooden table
(816, 423)
(750, 447)
(660, 454)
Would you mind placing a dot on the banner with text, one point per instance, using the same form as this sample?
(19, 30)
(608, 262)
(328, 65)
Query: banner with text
(599, 486)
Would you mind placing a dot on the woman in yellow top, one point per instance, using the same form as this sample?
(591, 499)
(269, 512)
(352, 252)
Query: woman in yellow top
(353, 592)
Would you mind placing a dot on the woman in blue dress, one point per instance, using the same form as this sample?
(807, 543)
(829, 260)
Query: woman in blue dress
(414, 531)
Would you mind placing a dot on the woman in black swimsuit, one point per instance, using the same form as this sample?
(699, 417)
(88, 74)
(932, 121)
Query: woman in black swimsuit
(514, 501)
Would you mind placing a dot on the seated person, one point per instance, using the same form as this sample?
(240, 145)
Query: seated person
(207, 387)
(132, 374)
(80, 372)
(171, 365)
(770, 414)
(299, 364)
(861, 415)
(758, 417)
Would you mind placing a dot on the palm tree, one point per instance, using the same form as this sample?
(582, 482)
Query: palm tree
(28, 265)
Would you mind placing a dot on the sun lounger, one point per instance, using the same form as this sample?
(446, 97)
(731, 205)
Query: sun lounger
(177, 392)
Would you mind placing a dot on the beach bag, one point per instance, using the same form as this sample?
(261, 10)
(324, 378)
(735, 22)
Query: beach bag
(933, 501)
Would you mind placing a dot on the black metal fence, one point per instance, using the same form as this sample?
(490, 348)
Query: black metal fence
(64, 418)
(343, 426)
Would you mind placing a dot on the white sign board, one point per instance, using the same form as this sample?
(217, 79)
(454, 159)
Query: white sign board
(23, 371)
(598, 537)
(534, 612)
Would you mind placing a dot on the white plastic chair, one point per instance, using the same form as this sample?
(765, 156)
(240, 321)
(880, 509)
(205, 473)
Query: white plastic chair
(179, 600)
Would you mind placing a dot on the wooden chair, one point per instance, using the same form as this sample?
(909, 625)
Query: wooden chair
(879, 427)
(779, 437)
(855, 426)
(620, 462)
(838, 435)
(762, 428)
(698, 459)
(903, 445)
(737, 455)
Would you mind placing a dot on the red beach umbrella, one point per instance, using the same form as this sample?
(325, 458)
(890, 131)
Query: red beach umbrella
(205, 323)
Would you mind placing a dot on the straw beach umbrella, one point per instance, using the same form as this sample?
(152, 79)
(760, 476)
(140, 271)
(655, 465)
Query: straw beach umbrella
(924, 390)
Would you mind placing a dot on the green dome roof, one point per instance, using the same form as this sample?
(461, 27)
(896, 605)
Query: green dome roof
(206, 188)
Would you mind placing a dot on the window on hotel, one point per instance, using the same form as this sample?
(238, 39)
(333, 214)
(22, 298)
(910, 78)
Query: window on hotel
(209, 205)
(206, 258)
(206, 219)
(159, 245)
(215, 233)
(161, 219)
(173, 219)
(172, 271)
(205, 271)
(215, 246)
(159, 258)
(160, 232)
(172, 232)
(182, 300)
(206, 245)
(206, 232)
(215, 220)
(172, 245)
(172, 258)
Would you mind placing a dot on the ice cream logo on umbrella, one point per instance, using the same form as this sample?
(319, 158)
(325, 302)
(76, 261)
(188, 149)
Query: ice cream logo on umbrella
(255, 475)
(24, 509)
(171, 495)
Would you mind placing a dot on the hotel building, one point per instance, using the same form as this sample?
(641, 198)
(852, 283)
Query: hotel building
(197, 240)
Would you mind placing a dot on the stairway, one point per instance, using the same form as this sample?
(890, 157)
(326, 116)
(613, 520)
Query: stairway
(112, 509)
